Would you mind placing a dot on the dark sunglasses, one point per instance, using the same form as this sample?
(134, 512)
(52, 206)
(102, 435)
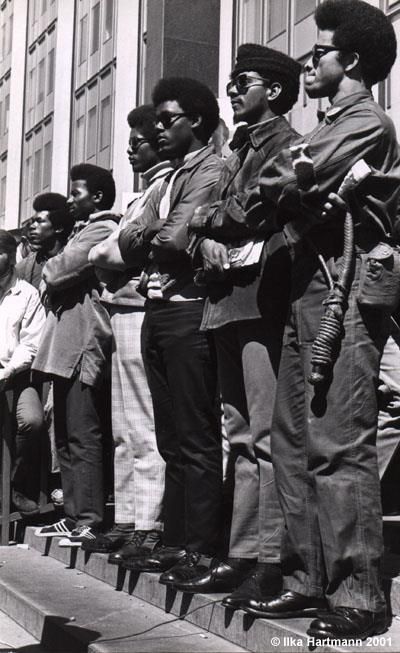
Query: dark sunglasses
(168, 119)
(320, 51)
(243, 82)
(136, 143)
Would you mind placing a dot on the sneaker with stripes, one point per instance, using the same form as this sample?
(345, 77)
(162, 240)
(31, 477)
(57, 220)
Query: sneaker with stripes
(62, 528)
(80, 534)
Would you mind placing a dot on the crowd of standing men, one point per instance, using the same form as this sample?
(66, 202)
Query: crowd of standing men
(213, 287)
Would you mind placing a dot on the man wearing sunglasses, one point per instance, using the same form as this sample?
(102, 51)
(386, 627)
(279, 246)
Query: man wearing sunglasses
(179, 360)
(246, 317)
(324, 435)
(138, 467)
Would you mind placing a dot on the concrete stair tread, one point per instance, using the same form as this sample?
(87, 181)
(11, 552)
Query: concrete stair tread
(204, 610)
(71, 611)
(12, 637)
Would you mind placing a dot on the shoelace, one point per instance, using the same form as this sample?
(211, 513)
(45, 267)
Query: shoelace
(137, 538)
(191, 558)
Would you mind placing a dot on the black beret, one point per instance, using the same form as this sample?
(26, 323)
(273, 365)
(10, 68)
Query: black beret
(272, 64)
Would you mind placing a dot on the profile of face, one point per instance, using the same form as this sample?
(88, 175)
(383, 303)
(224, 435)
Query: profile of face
(174, 130)
(248, 93)
(141, 155)
(41, 230)
(324, 70)
(81, 202)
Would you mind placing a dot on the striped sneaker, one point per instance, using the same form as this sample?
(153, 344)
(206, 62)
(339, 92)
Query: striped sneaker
(78, 535)
(62, 528)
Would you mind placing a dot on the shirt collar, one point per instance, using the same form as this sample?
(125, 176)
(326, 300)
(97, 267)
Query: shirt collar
(156, 172)
(337, 108)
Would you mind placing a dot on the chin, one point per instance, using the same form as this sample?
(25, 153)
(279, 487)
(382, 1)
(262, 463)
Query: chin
(314, 92)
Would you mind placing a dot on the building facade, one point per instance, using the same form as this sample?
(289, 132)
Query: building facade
(71, 70)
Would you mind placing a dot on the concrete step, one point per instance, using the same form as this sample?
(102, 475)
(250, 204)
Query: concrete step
(69, 611)
(205, 610)
(13, 637)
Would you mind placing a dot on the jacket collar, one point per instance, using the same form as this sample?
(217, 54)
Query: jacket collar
(198, 157)
(263, 131)
(158, 171)
(336, 109)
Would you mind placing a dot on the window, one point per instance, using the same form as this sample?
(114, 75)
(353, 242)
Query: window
(303, 8)
(28, 177)
(108, 19)
(277, 17)
(95, 27)
(50, 75)
(6, 113)
(80, 140)
(47, 165)
(10, 33)
(1, 118)
(3, 194)
(44, 6)
(41, 81)
(105, 123)
(3, 40)
(83, 39)
(92, 136)
(37, 172)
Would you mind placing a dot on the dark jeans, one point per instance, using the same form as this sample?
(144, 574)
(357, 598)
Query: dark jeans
(324, 451)
(181, 370)
(23, 401)
(79, 425)
(248, 360)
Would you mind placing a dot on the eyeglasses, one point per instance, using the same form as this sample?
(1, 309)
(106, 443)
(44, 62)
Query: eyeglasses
(136, 143)
(168, 119)
(243, 82)
(320, 51)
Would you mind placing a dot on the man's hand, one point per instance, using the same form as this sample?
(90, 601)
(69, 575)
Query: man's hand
(199, 219)
(335, 208)
(215, 258)
(5, 374)
(153, 229)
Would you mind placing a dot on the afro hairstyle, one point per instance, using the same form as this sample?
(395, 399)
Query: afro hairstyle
(360, 27)
(97, 179)
(143, 119)
(195, 99)
(57, 207)
(8, 244)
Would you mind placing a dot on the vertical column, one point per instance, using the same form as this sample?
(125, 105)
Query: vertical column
(226, 27)
(62, 96)
(16, 116)
(127, 31)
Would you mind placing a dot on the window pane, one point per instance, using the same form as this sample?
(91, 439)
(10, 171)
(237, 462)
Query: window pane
(50, 78)
(41, 81)
(108, 19)
(251, 21)
(80, 140)
(83, 40)
(3, 195)
(95, 29)
(303, 8)
(47, 165)
(105, 127)
(10, 33)
(27, 180)
(44, 6)
(37, 172)
(6, 113)
(91, 138)
(277, 17)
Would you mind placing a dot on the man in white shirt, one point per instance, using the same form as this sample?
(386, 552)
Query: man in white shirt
(22, 318)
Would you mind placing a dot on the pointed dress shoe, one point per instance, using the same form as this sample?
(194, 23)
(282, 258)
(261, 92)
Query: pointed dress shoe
(286, 605)
(112, 540)
(160, 560)
(264, 581)
(348, 623)
(192, 565)
(219, 577)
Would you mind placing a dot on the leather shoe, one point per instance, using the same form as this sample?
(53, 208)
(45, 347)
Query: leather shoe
(24, 505)
(111, 540)
(220, 577)
(139, 545)
(192, 565)
(263, 581)
(348, 623)
(160, 560)
(286, 605)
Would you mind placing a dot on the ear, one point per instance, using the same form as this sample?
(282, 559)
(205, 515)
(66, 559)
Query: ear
(97, 197)
(351, 60)
(274, 91)
(196, 122)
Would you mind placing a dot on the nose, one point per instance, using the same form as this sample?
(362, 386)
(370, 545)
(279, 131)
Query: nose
(308, 66)
(70, 199)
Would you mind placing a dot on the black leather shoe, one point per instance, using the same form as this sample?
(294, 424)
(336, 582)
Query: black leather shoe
(263, 581)
(139, 545)
(160, 560)
(348, 623)
(111, 540)
(194, 564)
(286, 605)
(220, 577)
(24, 505)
